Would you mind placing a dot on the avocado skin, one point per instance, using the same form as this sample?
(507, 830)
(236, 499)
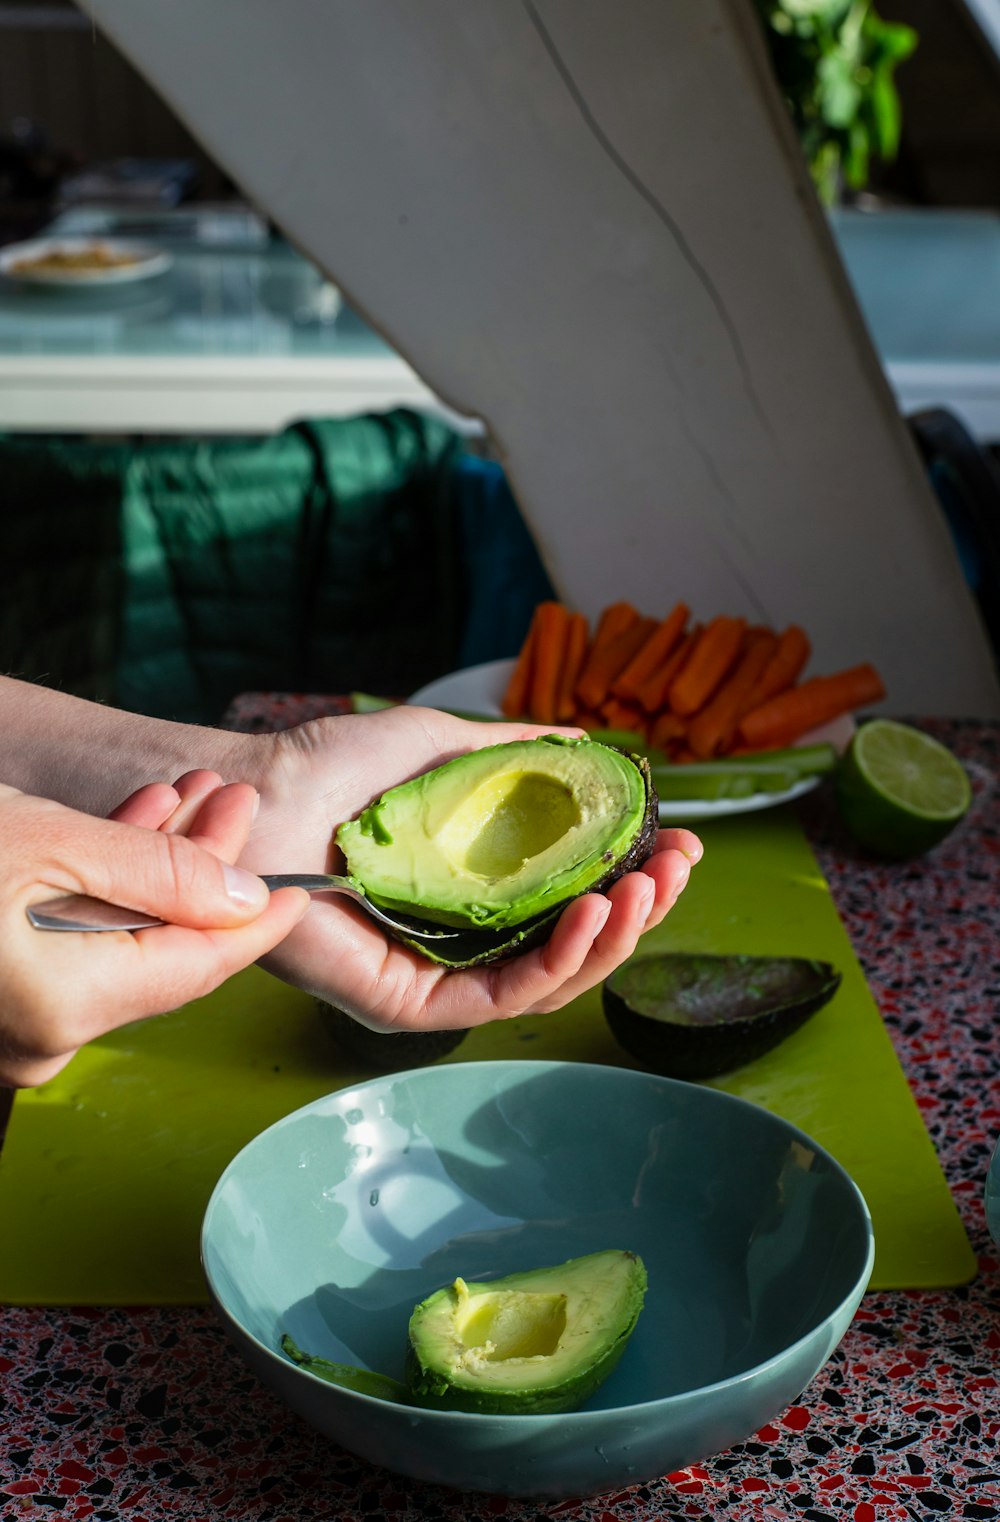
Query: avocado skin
(347, 1375)
(478, 948)
(431, 1385)
(730, 1031)
(386, 1051)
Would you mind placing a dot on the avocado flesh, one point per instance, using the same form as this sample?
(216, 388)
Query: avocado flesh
(532, 1342)
(496, 842)
(694, 1015)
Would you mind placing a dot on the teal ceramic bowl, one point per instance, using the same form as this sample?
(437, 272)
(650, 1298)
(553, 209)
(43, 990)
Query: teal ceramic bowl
(333, 1223)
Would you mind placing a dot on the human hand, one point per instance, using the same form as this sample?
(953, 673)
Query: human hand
(323, 772)
(165, 852)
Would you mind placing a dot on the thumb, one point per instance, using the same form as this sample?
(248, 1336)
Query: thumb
(170, 877)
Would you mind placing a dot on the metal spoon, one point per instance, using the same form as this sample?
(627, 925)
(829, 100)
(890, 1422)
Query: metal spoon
(78, 912)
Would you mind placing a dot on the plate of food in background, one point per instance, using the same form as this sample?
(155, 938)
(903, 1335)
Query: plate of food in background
(77, 263)
(722, 708)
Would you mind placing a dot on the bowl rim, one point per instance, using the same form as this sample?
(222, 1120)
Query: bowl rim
(539, 1066)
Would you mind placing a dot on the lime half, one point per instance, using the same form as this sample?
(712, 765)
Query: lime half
(899, 791)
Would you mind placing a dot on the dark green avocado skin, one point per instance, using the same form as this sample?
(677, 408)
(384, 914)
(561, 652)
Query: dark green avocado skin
(477, 948)
(709, 1015)
(384, 1051)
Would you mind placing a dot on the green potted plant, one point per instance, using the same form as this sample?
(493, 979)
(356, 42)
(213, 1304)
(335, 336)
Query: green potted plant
(835, 62)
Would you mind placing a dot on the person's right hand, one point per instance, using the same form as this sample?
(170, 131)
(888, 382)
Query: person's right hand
(320, 773)
(165, 851)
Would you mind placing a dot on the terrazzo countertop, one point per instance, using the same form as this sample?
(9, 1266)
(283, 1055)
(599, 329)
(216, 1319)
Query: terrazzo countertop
(149, 1414)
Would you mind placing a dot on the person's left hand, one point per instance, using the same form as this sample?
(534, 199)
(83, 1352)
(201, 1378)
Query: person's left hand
(323, 772)
(60, 990)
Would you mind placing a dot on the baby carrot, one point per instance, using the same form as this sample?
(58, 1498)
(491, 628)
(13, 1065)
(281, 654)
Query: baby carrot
(604, 663)
(618, 714)
(614, 620)
(667, 729)
(793, 712)
(550, 648)
(652, 654)
(712, 727)
(783, 669)
(653, 692)
(573, 658)
(708, 663)
(514, 703)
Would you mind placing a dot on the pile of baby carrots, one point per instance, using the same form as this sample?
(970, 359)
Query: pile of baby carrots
(692, 689)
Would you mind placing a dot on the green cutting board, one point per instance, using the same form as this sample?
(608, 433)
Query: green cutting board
(107, 1170)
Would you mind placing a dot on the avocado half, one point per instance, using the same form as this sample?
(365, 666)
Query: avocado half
(694, 1015)
(496, 843)
(538, 1341)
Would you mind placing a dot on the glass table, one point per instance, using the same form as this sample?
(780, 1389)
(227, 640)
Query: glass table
(240, 334)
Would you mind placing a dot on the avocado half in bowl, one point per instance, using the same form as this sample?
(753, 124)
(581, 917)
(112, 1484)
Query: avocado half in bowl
(496, 843)
(329, 1229)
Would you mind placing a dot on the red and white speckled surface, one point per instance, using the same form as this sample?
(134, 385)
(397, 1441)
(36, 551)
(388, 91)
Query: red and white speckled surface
(148, 1414)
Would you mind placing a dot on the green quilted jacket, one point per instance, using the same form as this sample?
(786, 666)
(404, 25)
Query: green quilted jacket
(369, 553)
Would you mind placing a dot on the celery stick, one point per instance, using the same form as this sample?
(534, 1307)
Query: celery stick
(707, 782)
(741, 776)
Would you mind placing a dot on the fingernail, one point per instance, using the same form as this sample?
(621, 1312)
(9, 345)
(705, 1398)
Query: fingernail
(256, 804)
(695, 854)
(602, 918)
(243, 888)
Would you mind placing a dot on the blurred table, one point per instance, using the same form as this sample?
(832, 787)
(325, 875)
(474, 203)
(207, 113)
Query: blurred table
(240, 335)
(244, 335)
(928, 283)
(150, 1413)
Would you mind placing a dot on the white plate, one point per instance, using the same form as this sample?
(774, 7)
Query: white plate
(478, 690)
(16, 262)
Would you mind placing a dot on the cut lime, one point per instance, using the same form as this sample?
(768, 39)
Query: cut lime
(899, 791)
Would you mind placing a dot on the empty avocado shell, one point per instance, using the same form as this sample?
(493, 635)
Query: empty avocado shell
(694, 1015)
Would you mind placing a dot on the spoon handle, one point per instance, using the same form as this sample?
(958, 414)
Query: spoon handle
(76, 911)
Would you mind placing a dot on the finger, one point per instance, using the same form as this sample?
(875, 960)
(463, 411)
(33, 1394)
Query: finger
(164, 875)
(195, 962)
(128, 977)
(148, 807)
(160, 806)
(588, 953)
(223, 821)
(480, 733)
(194, 788)
(681, 840)
(528, 981)
(582, 952)
(669, 872)
(477, 995)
